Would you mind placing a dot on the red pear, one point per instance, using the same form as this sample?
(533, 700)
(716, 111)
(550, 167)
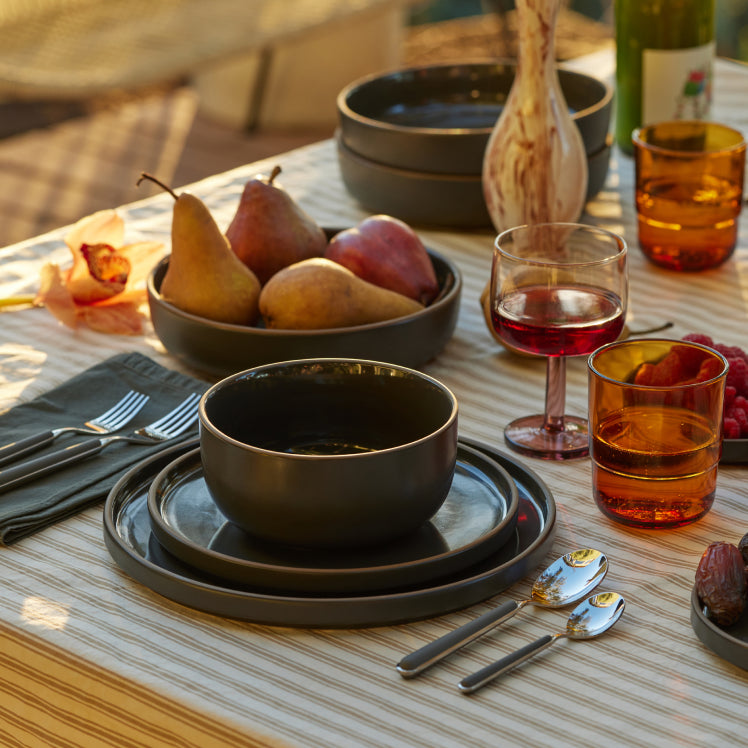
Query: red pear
(387, 252)
(270, 231)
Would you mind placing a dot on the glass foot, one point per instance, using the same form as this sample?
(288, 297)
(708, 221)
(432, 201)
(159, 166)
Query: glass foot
(528, 436)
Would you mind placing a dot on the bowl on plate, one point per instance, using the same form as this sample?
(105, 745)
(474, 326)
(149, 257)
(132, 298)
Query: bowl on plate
(328, 452)
(438, 118)
(219, 349)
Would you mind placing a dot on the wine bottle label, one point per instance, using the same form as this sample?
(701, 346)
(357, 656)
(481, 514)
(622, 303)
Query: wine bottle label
(677, 83)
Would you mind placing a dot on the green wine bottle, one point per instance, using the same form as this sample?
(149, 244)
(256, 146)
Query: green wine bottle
(664, 59)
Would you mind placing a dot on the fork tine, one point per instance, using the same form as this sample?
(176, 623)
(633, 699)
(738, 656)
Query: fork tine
(177, 420)
(119, 418)
(123, 403)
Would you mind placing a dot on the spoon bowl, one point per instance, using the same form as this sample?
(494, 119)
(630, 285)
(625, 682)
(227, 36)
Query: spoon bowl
(565, 581)
(589, 619)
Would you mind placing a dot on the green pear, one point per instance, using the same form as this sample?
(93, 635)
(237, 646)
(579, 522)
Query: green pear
(319, 294)
(204, 276)
(269, 230)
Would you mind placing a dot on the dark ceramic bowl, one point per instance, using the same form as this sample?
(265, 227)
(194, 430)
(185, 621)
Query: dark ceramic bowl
(328, 452)
(220, 349)
(425, 198)
(438, 118)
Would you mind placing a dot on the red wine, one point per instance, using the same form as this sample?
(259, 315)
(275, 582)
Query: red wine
(560, 321)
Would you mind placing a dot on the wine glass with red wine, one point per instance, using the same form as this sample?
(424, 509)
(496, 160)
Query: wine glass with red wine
(557, 290)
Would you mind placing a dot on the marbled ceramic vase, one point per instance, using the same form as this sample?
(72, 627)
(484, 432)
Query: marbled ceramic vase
(535, 167)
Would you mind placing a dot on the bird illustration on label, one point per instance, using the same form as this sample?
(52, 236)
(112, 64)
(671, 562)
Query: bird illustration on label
(696, 94)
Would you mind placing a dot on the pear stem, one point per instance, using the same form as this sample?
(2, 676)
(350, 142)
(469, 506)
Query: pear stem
(145, 175)
(273, 174)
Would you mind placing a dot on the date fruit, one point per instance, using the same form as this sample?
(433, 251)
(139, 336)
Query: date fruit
(743, 548)
(720, 582)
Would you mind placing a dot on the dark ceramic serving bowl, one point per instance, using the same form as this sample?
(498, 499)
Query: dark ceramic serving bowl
(426, 198)
(438, 118)
(220, 349)
(328, 452)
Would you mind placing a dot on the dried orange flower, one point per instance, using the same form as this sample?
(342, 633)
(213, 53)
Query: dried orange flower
(104, 287)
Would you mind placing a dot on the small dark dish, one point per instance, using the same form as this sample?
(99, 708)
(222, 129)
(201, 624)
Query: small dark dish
(328, 452)
(478, 517)
(220, 349)
(734, 451)
(730, 643)
(438, 118)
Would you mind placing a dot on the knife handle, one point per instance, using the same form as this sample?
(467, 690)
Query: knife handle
(23, 447)
(416, 662)
(30, 470)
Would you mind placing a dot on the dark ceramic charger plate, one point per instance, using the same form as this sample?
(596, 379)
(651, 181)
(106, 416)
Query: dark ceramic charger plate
(219, 349)
(730, 643)
(478, 516)
(130, 541)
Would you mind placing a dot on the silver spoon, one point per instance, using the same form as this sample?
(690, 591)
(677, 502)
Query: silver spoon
(565, 581)
(589, 619)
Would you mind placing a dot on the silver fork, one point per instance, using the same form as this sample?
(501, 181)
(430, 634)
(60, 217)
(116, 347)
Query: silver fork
(174, 423)
(115, 418)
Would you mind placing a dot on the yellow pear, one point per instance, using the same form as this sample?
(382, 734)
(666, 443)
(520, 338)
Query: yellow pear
(204, 276)
(318, 293)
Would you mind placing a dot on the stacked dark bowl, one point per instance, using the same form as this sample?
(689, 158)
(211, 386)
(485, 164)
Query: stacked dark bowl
(411, 142)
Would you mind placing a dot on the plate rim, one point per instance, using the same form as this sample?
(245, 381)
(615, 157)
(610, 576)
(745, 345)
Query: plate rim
(333, 579)
(329, 612)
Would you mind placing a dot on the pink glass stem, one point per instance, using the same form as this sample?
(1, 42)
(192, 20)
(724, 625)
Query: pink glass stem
(555, 394)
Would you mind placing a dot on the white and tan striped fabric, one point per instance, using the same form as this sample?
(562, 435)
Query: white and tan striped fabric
(90, 657)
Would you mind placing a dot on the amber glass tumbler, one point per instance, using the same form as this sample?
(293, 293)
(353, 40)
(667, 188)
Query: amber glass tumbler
(655, 424)
(689, 192)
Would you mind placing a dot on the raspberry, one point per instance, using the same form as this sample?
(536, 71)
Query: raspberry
(689, 358)
(735, 411)
(695, 337)
(730, 351)
(731, 428)
(737, 377)
(667, 371)
(730, 395)
(644, 374)
(708, 370)
(740, 416)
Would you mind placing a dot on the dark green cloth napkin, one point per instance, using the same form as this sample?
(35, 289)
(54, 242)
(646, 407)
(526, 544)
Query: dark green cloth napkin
(30, 508)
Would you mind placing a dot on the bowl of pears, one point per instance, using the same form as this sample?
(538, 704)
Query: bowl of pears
(277, 287)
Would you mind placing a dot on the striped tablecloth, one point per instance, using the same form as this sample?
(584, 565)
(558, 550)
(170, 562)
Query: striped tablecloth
(90, 657)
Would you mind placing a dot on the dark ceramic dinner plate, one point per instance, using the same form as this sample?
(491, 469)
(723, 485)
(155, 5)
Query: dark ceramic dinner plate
(129, 538)
(478, 516)
(219, 349)
(730, 643)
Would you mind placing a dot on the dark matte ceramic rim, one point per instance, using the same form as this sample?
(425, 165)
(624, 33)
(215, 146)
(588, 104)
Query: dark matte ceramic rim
(346, 111)
(333, 612)
(728, 647)
(313, 579)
